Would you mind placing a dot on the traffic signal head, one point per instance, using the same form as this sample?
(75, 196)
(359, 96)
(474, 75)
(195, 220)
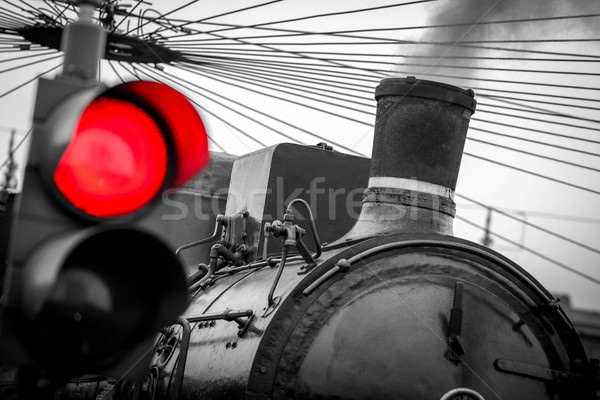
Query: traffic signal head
(127, 144)
(87, 286)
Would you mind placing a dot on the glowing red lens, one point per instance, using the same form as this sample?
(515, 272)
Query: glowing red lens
(116, 161)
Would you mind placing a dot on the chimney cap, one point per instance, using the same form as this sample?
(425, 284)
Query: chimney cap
(412, 87)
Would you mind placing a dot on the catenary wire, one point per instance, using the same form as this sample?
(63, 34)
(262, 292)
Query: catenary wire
(534, 252)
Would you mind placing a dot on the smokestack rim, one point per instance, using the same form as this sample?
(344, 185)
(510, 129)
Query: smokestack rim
(413, 87)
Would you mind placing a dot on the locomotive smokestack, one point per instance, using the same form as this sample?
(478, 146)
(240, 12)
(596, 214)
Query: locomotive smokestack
(420, 132)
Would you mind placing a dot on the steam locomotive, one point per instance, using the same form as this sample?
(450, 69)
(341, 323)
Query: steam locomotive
(299, 290)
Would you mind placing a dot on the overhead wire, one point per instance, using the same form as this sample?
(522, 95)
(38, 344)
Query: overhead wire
(110, 63)
(478, 140)
(330, 14)
(530, 129)
(534, 252)
(335, 92)
(129, 13)
(525, 108)
(210, 139)
(389, 40)
(178, 27)
(388, 71)
(520, 138)
(51, 51)
(217, 50)
(228, 107)
(536, 174)
(296, 75)
(275, 83)
(308, 68)
(379, 41)
(279, 56)
(302, 104)
(303, 56)
(30, 80)
(538, 101)
(262, 25)
(529, 153)
(31, 63)
(408, 64)
(278, 119)
(545, 111)
(529, 118)
(537, 155)
(204, 108)
(162, 15)
(553, 159)
(59, 13)
(538, 119)
(535, 226)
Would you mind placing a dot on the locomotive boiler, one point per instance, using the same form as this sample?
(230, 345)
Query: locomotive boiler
(309, 294)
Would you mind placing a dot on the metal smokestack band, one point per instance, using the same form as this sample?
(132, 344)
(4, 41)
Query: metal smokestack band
(420, 132)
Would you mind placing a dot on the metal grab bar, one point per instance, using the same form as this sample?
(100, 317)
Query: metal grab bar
(313, 226)
(220, 221)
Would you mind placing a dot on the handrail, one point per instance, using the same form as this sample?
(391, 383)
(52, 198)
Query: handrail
(220, 221)
(313, 226)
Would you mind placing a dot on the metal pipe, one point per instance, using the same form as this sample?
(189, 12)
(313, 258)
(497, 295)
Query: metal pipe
(183, 351)
(259, 264)
(212, 268)
(546, 297)
(228, 315)
(313, 226)
(439, 243)
(196, 280)
(218, 223)
(284, 251)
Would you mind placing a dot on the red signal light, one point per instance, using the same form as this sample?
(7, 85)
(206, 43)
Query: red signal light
(132, 141)
(116, 161)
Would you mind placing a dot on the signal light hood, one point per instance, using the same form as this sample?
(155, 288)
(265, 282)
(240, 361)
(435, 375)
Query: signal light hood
(420, 131)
